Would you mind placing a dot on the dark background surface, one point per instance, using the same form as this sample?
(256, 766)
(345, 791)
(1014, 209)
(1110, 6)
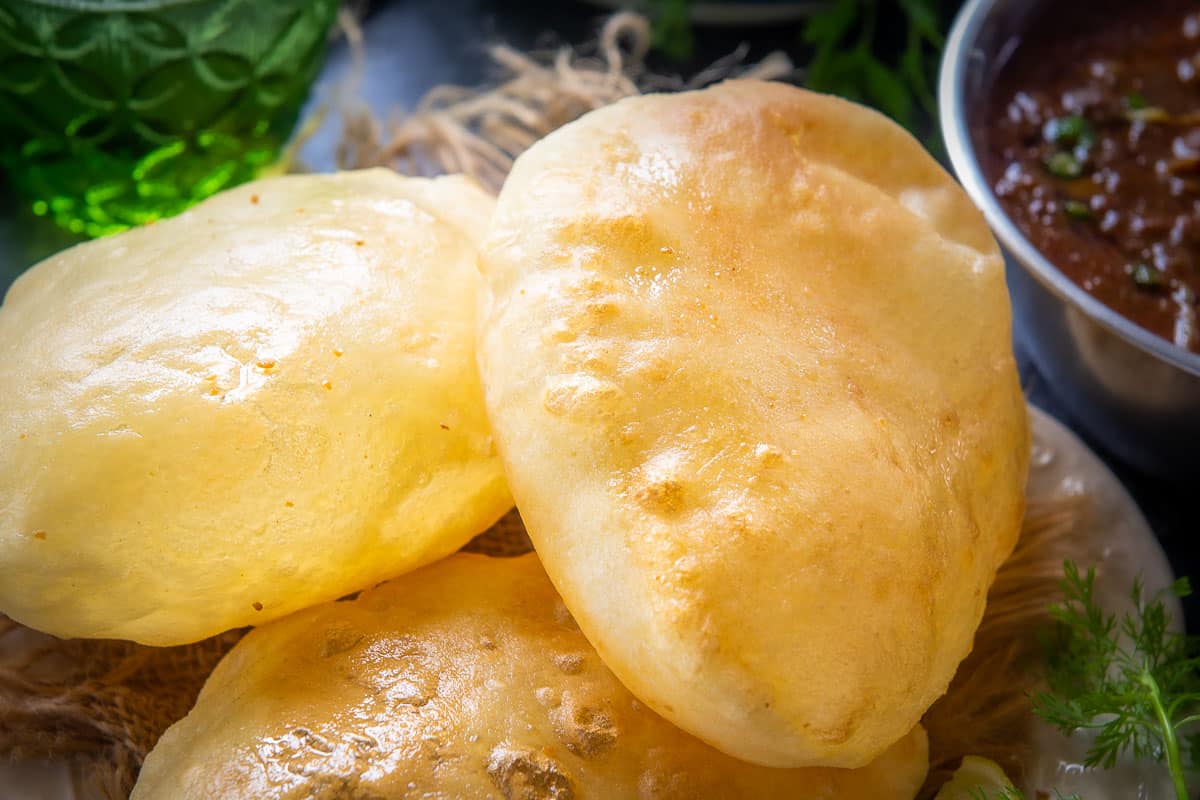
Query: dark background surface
(413, 45)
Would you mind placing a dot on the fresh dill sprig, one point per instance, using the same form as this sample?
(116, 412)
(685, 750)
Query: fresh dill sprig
(1131, 679)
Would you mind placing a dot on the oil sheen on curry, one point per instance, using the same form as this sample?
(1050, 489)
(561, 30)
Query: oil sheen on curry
(1091, 142)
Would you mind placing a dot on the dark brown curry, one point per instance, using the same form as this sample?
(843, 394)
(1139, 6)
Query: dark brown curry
(1091, 141)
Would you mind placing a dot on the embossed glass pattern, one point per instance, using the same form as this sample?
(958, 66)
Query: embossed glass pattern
(115, 113)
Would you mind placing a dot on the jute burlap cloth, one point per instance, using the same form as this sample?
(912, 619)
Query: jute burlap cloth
(101, 705)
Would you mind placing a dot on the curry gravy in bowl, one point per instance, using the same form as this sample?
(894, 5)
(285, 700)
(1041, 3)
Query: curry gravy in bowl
(1073, 125)
(1090, 140)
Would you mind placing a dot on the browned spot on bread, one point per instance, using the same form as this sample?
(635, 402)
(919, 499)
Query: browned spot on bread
(661, 496)
(586, 728)
(524, 774)
(569, 663)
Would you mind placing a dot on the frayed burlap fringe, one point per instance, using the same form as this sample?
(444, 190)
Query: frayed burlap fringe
(480, 131)
(97, 705)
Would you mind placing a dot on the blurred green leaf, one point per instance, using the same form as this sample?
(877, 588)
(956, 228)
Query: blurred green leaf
(915, 68)
(831, 24)
(671, 28)
(847, 57)
(923, 19)
(887, 91)
(850, 60)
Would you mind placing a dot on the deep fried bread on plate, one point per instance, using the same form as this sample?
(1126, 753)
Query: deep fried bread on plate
(465, 679)
(748, 365)
(265, 403)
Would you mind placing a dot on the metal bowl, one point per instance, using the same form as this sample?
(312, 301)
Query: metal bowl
(1136, 394)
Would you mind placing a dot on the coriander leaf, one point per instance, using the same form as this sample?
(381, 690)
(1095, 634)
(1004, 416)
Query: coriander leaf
(1064, 165)
(1071, 130)
(1134, 101)
(1131, 680)
(1077, 209)
(1146, 276)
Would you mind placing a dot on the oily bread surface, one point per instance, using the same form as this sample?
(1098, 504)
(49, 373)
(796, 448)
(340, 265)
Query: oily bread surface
(746, 356)
(267, 402)
(465, 679)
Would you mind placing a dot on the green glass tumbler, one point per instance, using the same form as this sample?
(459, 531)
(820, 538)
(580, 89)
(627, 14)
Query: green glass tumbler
(115, 113)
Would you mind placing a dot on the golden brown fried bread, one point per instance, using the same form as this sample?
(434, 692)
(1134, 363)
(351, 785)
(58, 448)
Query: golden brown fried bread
(265, 403)
(747, 362)
(466, 679)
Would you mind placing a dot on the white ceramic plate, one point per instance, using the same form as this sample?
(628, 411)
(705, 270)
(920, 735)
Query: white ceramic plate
(1126, 547)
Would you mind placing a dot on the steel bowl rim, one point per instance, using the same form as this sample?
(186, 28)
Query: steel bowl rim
(954, 125)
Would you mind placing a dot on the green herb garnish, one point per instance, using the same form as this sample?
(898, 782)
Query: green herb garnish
(1138, 110)
(1072, 130)
(1134, 101)
(1146, 276)
(671, 30)
(1076, 209)
(1064, 165)
(847, 58)
(1132, 680)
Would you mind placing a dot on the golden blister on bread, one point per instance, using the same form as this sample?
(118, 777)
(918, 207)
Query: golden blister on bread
(265, 403)
(747, 359)
(465, 679)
